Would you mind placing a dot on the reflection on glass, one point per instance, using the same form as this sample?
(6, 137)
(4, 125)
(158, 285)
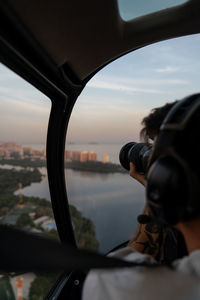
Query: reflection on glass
(24, 114)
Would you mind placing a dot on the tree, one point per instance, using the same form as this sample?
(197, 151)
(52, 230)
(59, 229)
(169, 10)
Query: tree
(42, 285)
(24, 220)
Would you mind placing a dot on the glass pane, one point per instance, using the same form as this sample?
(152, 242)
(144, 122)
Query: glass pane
(107, 115)
(137, 8)
(24, 192)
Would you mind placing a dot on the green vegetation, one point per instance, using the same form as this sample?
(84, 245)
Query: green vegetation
(10, 179)
(42, 285)
(24, 220)
(89, 166)
(6, 291)
(24, 210)
(26, 162)
(84, 230)
(9, 183)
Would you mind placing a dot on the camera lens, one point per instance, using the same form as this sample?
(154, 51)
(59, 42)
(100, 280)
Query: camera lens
(138, 153)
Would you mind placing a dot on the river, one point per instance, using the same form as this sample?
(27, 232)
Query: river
(111, 201)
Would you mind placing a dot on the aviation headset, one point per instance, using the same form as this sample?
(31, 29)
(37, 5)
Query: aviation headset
(173, 182)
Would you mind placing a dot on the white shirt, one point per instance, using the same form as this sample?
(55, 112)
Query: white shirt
(145, 283)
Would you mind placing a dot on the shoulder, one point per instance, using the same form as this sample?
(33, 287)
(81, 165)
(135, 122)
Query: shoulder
(129, 254)
(139, 282)
(189, 264)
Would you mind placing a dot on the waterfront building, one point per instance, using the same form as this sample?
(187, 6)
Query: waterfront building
(67, 155)
(84, 156)
(28, 151)
(76, 155)
(11, 150)
(44, 154)
(92, 156)
(37, 153)
(16, 154)
(2, 153)
(105, 158)
(9, 145)
(41, 220)
(21, 152)
(7, 154)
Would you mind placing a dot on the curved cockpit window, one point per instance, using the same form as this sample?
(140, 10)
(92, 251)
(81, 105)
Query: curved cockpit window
(24, 192)
(104, 199)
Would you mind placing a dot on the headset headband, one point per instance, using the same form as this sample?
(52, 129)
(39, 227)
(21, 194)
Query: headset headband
(166, 163)
(190, 105)
(176, 120)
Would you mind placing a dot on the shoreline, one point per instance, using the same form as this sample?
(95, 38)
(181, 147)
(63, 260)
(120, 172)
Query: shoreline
(89, 166)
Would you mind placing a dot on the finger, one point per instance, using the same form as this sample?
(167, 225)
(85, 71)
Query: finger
(132, 171)
(134, 174)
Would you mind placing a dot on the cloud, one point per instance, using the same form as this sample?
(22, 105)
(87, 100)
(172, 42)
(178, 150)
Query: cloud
(104, 84)
(162, 82)
(19, 110)
(23, 95)
(135, 85)
(23, 121)
(168, 69)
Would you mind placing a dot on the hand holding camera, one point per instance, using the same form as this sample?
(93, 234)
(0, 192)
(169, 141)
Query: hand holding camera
(139, 177)
(134, 158)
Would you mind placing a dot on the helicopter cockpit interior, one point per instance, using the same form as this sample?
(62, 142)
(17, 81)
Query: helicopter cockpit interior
(76, 80)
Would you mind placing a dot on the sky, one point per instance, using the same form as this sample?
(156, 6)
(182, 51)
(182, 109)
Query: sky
(24, 111)
(133, 9)
(112, 105)
(119, 96)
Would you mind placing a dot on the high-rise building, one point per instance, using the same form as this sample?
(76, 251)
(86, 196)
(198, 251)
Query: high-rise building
(28, 151)
(67, 155)
(84, 156)
(19, 284)
(92, 156)
(2, 153)
(44, 154)
(7, 154)
(76, 155)
(105, 158)
(21, 152)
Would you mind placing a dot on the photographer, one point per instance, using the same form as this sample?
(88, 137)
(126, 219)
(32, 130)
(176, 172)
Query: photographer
(173, 201)
(152, 238)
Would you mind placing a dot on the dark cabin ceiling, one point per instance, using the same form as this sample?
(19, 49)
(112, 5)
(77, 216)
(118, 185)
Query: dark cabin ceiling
(85, 35)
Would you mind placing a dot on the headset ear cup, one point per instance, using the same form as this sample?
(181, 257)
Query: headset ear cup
(166, 191)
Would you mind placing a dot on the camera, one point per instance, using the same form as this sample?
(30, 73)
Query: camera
(138, 153)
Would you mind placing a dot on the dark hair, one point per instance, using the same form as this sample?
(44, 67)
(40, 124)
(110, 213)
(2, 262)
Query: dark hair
(153, 122)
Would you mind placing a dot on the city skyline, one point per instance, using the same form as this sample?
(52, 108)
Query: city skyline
(112, 105)
(12, 150)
